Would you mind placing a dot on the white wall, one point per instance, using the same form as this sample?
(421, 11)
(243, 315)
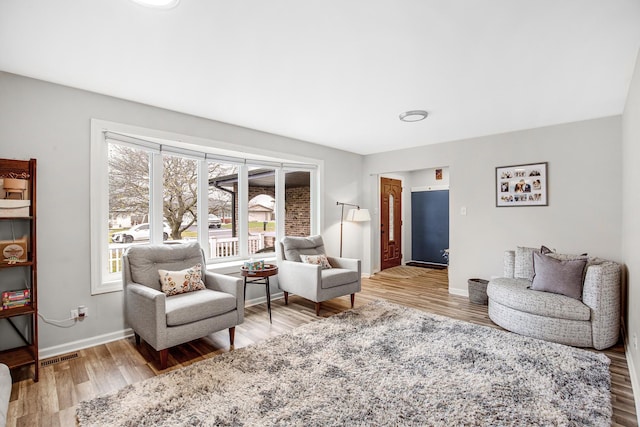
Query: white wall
(584, 194)
(631, 225)
(51, 123)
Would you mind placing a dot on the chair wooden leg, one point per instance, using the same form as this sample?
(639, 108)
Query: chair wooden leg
(137, 337)
(317, 309)
(164, 356)
(353, 299)
(286, 298)
(232, 335)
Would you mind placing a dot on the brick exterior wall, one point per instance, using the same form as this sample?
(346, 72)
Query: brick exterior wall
(297, 208)
(298, 211)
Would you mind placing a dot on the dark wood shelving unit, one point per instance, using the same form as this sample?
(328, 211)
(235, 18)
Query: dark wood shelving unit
(17, 264)
(18, 311)
(26, 354)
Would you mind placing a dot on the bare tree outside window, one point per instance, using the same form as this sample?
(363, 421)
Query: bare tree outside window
(129, 189)
(180, 194)
(128, 186)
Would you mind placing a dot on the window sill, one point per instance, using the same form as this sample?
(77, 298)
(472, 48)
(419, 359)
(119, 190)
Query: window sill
(230, 267)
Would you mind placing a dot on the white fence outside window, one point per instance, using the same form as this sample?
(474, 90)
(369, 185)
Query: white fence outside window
(218, 248)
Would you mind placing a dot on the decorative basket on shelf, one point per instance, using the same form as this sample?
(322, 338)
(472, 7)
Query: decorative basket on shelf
(14, 186)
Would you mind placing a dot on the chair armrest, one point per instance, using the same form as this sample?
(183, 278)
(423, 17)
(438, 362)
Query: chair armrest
(601, 293)
(227, 284)
(509, 264)
(145, 292)
(223, 283)
(145, 313)
(348, 263)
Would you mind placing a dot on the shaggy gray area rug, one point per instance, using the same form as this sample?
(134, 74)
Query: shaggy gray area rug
(377, 365)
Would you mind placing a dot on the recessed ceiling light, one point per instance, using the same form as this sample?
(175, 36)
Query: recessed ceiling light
(159, 4)
(413, 116)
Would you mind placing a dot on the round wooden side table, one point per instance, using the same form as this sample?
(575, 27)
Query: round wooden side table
(260, 277)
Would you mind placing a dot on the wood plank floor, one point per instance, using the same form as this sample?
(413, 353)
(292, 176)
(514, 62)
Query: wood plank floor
(52, 401)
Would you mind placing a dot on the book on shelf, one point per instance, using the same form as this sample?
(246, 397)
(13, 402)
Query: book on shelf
(16, 295)
(15, 304)
(15, 299)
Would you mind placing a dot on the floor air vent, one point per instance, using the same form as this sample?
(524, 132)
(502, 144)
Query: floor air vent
(59, 359)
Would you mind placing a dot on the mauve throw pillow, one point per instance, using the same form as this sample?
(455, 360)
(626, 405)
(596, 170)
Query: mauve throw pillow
(557, 276)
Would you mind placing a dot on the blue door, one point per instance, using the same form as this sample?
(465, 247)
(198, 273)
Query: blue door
(429, 225)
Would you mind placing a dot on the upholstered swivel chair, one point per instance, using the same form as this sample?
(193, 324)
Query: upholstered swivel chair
(165, 321)
(312, 281)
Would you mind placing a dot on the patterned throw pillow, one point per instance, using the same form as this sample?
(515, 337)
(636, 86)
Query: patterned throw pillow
(320, 260)
(179, 282)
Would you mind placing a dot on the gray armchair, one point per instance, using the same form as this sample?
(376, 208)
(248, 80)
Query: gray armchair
(165, 321)
(590, 321)
(311, 281)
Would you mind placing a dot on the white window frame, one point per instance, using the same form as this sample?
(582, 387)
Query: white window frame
(101, 282)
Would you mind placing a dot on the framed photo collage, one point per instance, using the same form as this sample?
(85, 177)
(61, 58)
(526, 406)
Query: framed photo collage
(522, 185)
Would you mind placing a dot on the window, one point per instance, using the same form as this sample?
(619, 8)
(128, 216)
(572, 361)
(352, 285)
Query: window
(148, 188)
(128, 211)
(223, 210)
(298, 203)
(180, 196)
(261, 210)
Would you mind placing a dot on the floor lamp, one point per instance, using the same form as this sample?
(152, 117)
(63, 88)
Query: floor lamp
(356, 215)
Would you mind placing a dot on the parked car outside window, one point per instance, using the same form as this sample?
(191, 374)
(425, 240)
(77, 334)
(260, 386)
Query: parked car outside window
(138, 232)
(214, 221)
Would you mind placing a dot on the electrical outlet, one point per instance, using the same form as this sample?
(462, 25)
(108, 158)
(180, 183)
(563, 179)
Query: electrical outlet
(74, 314)
(83, 311)
(635, 342)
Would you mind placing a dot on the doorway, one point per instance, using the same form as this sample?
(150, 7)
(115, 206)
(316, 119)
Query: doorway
(390, 222)
(430, 226)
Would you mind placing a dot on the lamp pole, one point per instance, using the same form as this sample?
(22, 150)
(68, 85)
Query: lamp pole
(342, 219)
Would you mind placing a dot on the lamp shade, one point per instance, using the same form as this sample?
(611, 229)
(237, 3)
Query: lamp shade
(358, 215)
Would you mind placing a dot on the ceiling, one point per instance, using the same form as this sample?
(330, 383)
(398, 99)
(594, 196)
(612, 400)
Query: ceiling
(338, 73)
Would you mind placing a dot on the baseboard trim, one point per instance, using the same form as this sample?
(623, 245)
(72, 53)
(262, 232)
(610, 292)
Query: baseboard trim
(459, 292)
(635, 385)
(69, 347)
(72, 346)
